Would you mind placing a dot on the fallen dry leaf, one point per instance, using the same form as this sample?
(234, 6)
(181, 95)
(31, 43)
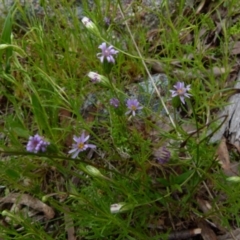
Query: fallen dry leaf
(232, 170)
(231, 126)
(235, 234)
(206, 208)
(27, 200)
(223, 154)
(69, 225)
(217, 71)
(236, 48)
(207, 233)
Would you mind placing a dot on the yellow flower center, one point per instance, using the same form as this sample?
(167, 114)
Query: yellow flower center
(180, 91)
(134, 108)
(81, 145)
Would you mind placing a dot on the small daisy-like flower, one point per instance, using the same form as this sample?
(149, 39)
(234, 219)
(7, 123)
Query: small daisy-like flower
(80, 145)
(114, 102)
(133, 106)
(181, 91)
(107, 53)
(36, 144)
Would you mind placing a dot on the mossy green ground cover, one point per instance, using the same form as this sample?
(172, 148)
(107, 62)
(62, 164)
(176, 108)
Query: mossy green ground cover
(115, 187)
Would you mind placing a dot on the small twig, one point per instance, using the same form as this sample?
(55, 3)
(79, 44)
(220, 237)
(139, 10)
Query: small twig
(187, 234)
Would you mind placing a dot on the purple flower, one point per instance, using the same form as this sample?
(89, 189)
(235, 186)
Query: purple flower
(114, 102)
(107, 52)
(162, 155)
(133, 106)
(36, 144)
(80, 145)
(181, 91)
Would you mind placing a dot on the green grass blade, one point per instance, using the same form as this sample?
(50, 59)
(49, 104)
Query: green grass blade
(6, 39)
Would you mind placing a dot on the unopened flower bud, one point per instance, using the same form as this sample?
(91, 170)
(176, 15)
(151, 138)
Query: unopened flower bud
(116, 207)
(97, 78)
(90, 25)
(94, 172)
(120, 207)
(233, 179)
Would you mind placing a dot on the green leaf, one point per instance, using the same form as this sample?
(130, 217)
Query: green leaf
(21, 132)
(16, 48)
(176, 187)
(164, 182)
(176, 102)
(180, 179)
(39, 113)
(12, 174)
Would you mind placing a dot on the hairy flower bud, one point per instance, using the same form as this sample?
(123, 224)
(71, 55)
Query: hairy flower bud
(90, 25)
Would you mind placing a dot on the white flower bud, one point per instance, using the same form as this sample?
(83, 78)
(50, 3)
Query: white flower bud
(116, 207)
(97, 78)
(90, 25)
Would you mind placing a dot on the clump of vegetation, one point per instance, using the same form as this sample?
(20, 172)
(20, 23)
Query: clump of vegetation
(94, 144)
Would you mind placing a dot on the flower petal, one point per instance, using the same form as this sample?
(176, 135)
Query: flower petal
(182, 99)
(75, 154)
(86, 138)
(72, 150)
(92, 146)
